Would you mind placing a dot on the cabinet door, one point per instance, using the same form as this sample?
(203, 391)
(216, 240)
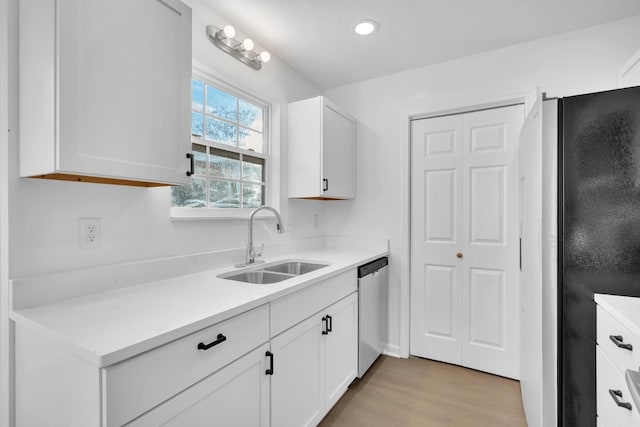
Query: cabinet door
(237, 395)
(124, 94)
(297, 381)
(338, 153)
(341, 348)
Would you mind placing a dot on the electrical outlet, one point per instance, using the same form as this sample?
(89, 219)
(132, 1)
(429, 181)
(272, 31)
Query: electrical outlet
(90, 233)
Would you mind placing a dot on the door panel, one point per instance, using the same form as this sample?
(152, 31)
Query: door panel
(440, 205)
(436, 237)
(486, 320)
(464, 248)
(487, 205)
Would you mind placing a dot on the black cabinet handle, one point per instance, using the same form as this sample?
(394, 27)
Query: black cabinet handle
(619, 341)
(329, 323)
(325, 184)
(325, 322)
(192, 170)
(616, 395)
(270, 370)
(219, 339)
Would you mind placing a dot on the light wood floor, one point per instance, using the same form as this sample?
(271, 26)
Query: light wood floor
(421, 392)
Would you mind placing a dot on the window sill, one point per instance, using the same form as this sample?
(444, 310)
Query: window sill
(202, 214)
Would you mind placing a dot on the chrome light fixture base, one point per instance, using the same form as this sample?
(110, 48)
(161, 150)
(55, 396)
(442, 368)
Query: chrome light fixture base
(234, 47)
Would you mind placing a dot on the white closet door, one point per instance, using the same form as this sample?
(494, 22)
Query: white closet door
(465, 253)
(491, 255)
(436, 238)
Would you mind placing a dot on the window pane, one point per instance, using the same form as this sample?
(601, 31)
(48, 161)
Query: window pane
(190, 196)
(250, 115)
(250, 140)
(252, 195)
(224, 194)
(252, 169)
(197, 125)
(199, 159)
(197, 95)
(220, 131)
(221, 104)
(224, 164)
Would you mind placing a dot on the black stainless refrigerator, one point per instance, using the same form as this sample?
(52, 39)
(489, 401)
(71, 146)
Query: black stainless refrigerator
(599, 231)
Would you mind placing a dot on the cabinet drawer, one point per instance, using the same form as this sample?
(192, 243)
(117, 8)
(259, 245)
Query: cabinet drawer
(294, 308)
(609, 378)
(134, 386)
(622, 358)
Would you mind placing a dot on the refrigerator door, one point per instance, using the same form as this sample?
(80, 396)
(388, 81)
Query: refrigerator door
(600, 219)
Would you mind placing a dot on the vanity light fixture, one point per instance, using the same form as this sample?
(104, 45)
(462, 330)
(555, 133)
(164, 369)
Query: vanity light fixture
(224, 39)
(366, 27)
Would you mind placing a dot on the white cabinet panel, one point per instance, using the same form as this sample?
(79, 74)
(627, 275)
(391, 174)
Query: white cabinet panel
(341, 349)
(486, 319)
(321, 150)
(486, 213)
(298, 375)
(108, 97)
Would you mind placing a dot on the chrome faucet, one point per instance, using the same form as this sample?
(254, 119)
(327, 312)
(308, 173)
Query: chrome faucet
(253, 253)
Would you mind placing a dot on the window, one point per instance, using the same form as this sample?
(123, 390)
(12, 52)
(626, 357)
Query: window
(230, 150)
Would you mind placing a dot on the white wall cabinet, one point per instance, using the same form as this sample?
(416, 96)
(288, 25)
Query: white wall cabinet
(315, 361)
(321, 150)
(105, 91)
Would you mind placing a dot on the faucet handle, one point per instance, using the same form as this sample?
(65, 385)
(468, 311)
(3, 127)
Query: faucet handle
(258, 252)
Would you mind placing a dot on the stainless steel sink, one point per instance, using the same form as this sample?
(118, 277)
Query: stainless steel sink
(274, 273)
(259, 277)
(296, 267)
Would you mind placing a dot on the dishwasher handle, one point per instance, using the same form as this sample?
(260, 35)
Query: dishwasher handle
(372, 267)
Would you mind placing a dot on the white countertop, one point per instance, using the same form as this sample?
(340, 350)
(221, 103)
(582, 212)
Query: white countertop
(109, 327)
(625, 309)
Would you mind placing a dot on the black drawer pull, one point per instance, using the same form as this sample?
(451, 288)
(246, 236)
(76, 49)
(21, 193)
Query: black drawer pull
(190, 172)
(325, 184)
(616, 395)
(329, 323)
(619, 341)
(270, 356)
(219, 339)
(325, 322)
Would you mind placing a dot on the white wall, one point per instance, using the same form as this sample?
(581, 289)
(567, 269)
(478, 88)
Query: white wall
(578, 62)
(135, 221)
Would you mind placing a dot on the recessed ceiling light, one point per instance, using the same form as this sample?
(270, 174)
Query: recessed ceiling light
(366, 27)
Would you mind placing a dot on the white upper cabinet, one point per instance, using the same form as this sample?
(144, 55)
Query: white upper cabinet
(321, 150)
(105, 90)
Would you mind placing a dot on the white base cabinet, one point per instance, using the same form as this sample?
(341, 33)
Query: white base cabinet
(315, 361)
(105, 90)
(617, 354)
(321, 150)
(285, 363)
(235, 396)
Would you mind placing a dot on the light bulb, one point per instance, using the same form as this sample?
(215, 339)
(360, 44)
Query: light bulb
(247, 44)
(229, 32)
(265, 56)
(365, 27)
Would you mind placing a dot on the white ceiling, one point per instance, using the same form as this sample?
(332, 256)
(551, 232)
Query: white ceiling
(316, 37)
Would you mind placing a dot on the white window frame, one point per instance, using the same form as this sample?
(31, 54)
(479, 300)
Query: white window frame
(271, 196)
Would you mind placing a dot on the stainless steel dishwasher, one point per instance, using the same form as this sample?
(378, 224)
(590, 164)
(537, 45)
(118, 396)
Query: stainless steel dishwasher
(373, 279)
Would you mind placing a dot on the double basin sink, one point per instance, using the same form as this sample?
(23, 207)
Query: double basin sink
(274, 273)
